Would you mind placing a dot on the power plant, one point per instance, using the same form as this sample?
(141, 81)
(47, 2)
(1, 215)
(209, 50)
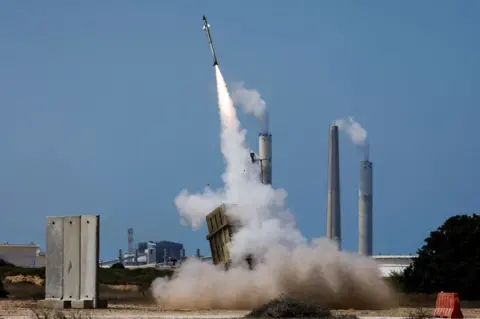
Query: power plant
(365, 197)
(334, 229)
(365, 207)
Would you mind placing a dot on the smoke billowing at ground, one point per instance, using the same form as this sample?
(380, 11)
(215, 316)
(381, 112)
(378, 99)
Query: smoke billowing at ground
(288, 264)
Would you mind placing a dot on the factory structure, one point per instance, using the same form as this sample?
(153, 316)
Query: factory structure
(365, 207)
(148, 253)
(334, 228)
(365, 197)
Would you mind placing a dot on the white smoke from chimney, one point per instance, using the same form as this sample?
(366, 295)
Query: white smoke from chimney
(249, 100)
(354, 130)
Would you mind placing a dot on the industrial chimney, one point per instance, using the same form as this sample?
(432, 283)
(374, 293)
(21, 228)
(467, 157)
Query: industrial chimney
(265, 157)
(130, 240)
(265, 152)
(333, 199)
(365, 207)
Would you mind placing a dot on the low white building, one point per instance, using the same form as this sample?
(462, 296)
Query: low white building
(390, 264)
(22, 255)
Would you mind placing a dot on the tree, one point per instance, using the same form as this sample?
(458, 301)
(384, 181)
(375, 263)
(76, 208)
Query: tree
(117, 266)
(449, 261)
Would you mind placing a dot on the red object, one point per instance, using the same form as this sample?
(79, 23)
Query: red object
(448, 305)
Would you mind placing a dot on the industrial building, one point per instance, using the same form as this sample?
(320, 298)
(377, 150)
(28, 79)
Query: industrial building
(162, 249)
(22, 255)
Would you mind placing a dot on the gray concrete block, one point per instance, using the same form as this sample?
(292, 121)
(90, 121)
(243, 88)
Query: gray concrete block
(89, 257)
(83, 304)
(54, 258)
(55, 304)
(72, 263)
(71, 258)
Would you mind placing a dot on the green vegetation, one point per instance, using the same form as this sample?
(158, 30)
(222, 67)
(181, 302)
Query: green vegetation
(449, 261)
(107, 276)
(117, 266)
(3, 292)
(289, 307)
(135, 276)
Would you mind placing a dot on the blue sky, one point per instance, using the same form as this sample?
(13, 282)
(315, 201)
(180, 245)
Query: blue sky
(110, 107)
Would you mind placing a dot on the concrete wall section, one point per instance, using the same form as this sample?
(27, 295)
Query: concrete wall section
(72, 262)
(54, 258)
(71, 257)
(89, 257)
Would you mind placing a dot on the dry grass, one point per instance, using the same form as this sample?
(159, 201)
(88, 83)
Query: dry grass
(29, 279)
(41, 313)
(421, 313)
(28, 288)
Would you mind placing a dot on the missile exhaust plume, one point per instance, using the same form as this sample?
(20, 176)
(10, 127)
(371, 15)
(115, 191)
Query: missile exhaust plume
(289, 264)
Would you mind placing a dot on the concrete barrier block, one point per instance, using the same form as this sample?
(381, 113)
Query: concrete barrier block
(55, 304)
(71, 257)
(54, 258)
(72, 262)
(89, 257)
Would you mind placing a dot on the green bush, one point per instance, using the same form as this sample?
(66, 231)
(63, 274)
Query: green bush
(449, 260)
(3, 292)
(136, 276)
(289, 307)
(117, 266)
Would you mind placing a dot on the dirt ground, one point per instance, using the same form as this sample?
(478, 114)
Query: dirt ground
(27, 309)
(128, 302)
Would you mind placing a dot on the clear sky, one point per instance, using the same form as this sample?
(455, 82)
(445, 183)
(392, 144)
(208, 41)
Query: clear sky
(110, 107)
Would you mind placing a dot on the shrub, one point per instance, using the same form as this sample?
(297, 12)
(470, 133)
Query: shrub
(117, 266)
(3, 292)
(136, 276)
(448, 261)
(289, 307)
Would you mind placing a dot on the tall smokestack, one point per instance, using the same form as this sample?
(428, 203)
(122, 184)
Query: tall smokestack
(365, 208)
(265, 157)
(333, 199)
(130, 240)
(265, 152)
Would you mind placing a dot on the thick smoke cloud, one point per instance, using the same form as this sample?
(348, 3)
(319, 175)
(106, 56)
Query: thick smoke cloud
(286, 262)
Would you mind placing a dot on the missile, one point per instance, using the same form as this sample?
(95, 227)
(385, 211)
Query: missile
(206, 27)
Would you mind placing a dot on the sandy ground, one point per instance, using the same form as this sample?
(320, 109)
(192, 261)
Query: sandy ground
(22, 309)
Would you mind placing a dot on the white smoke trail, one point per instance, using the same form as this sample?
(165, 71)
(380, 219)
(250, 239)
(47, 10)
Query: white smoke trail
(288, 264)
(355, 131)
